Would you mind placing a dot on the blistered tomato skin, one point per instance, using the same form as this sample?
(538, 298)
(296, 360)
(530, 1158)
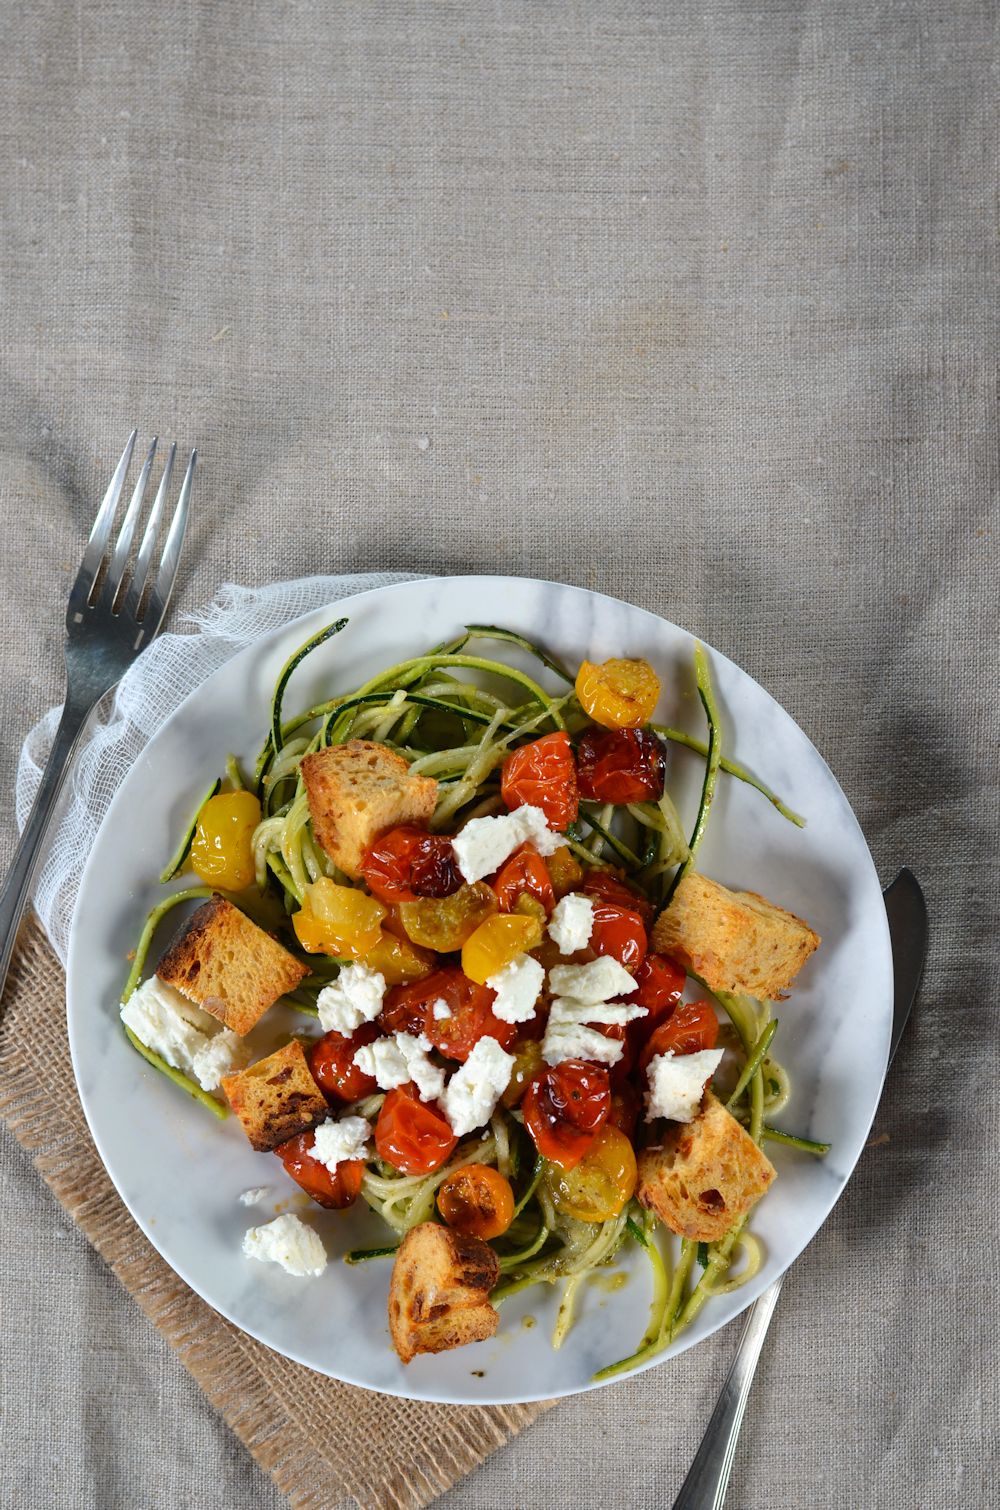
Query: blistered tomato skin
(334, 1191)
(620, 933)
(397, 960)
(691, 1027)
(222, 847)
(618, 694)
(470, 1014)
(497, 942)
(543, 774)
(621, 765)
(338, 920)
(609, 887)
(331, 1060)
(444, 923)
(598, 1187)
(411, 1136)
(524, 874)
(564, 1107)
(477, 1202)
(407, 862)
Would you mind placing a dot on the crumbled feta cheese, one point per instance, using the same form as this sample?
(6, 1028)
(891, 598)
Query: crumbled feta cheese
(517, 986)
(485, 843)
(677, 1083)
(182, 1034)
(256, 1196)
(353, 998)
(338, 1142)
(599, 980)
(473, 1091)
(569, 1036)
(572, 922)
(289, 1242)
(399, 1059)
(440, 1010)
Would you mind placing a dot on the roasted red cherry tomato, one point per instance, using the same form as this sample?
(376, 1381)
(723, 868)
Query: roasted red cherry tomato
(608, 887)
(620, 932)
(404, 1008)
(525, 873)
(331, 1060)
(619, 1033)
(407, 863)
(624, 1113)
(411, 1136)
(334, 1190)
(659, 983)
(470, 1014)
(691, 1027)
(543, 774)
(620, 765)
(564, 1107)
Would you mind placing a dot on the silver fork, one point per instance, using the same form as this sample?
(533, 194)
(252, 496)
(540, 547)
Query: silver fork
(112, 614)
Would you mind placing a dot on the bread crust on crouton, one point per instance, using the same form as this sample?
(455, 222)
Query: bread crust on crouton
(229, 966)
(734, 940)
(356, 791)
(701, 1177)
(276, 1098)
(438, 1296)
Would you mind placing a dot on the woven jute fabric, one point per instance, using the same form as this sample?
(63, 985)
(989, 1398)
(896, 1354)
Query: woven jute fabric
(321, 1440)
(694, 304)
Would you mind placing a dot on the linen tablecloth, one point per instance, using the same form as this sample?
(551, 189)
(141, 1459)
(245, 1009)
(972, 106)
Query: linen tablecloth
(692, 304)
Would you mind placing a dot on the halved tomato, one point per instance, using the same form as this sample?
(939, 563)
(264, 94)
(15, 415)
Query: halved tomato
(543, 774)
(332, 1190)
(564, 1107)
(410, 1135)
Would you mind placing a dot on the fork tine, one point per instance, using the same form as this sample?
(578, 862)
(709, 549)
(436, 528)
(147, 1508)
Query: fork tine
(148, 544)
(97, 544)
(116, 571)
(169, 561)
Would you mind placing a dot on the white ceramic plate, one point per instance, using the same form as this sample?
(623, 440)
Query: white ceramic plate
(180, 1172)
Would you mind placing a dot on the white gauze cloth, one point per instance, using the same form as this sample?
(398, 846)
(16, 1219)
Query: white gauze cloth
(126, 720)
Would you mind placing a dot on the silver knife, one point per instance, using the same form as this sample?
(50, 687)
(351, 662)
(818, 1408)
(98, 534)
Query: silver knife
(708, 1478)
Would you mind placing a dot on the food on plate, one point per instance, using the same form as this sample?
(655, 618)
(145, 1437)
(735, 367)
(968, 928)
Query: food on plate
(516, 991)
(439, 1295)
(733, 940)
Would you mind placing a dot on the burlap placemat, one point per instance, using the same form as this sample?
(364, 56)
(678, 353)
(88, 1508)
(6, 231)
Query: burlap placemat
(321, 1441)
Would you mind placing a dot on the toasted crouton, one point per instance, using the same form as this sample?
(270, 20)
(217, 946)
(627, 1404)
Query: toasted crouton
(229, 966)
(276, 1098)
(734, 940)
(438, 1297)
(358, 789)
(703, 1176)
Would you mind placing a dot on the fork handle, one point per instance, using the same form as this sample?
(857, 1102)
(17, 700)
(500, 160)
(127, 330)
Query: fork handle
(17, 885)
(708, 1478)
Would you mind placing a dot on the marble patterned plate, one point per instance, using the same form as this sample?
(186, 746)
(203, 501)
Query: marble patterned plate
(181, 1173)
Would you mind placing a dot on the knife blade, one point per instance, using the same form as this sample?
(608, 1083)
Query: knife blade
(906, 910)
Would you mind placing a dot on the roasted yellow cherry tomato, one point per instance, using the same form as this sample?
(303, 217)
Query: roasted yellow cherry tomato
(498, 941)
(444, 923)
(618, 694)
(399, 960)
(222, 847)
(598, 1187)
(338, 920)
(477, 1201)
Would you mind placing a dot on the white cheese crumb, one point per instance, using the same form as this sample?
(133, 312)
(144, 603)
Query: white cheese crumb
(474, 1090)
(399, 1059)
(568, 1036)
(440, 1010)
(677, 1083)
(353, 998)
(182, 1034)
(599, 980)
(289, 1242)
(256, 1196)
(338, 1142)
(517, 986)
(485, 843)
(572, 922)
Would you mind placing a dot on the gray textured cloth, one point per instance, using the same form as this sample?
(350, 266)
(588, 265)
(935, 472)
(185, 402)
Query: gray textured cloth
(693, 304)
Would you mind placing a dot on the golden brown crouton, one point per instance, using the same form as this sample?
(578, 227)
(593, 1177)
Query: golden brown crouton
(276, 1098)
(358, 789)
(703, 1176)
(438, 1295)
(229, 966)
(735, 940)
